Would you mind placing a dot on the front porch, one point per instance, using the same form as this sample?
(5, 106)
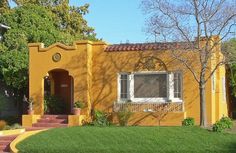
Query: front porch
(52, 121)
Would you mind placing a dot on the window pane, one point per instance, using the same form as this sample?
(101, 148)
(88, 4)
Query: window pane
(150, 85)
(124, 86)
(177, 85)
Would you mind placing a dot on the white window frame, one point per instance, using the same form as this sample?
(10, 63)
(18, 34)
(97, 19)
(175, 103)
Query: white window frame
(173, 98)
(133, 99)
(119, 86)
(170, 88)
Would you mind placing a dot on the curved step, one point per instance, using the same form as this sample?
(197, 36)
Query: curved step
(53, 125)
(5, 142)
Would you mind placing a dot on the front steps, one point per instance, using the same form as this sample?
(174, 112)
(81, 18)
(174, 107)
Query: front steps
(45, 122)
(5, 143)
(52, 121)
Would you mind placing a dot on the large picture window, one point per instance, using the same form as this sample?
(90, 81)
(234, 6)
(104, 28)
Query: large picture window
(150, 87)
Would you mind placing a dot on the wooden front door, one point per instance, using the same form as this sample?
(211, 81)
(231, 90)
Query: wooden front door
(63, 84)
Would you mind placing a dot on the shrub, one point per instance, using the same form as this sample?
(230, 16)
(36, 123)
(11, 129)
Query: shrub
(79, 104)
(16, 126)
(123, 117)
(189, 121)
(3, 124)
(7, 127)
(222, 124)
(2, 103)
(100, 119)
(54, 105)
(11, 119)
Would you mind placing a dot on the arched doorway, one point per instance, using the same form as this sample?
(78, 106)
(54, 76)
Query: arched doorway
(58, 92)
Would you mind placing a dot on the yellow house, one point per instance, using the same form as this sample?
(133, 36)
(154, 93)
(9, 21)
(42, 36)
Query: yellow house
(145, 78)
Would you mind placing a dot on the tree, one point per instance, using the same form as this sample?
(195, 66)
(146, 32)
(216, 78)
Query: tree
(185, 21)
(231, 47)
(67, 18)
(32, 23)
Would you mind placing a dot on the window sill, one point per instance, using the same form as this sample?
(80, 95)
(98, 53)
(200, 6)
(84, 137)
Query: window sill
(151, 101)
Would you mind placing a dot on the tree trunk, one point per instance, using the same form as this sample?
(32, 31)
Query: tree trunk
(203, 115)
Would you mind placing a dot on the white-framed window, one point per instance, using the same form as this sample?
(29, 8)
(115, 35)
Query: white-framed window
(150, 86)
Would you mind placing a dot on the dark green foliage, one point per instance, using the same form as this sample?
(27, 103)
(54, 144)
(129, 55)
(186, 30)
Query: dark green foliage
(11, 119)
(222, 124)
(123, 117)
(230, 47)
(54, 105)
(234, 114)
(79, 104)
(100, 119)
(47, 21)
(189, 121)
(129, 140)
(2, 102)
(233, 79)
(14, 68)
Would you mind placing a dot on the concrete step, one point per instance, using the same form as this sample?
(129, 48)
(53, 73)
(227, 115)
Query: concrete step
(4, 149)
(48, 120)
(4, 142)
(54, 117)
(8, 138)
(53, 125)
(36, 128)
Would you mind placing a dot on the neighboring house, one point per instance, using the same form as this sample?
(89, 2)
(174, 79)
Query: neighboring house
(144, 78)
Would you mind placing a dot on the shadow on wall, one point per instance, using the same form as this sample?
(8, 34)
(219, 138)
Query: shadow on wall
(106, 66)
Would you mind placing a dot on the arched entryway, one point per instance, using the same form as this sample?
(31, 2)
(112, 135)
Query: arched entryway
(58, 92)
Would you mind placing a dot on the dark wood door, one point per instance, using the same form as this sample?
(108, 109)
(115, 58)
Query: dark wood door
(63, 88)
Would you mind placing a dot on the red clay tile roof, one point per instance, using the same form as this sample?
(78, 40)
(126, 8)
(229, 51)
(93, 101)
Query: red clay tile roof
(148, 46)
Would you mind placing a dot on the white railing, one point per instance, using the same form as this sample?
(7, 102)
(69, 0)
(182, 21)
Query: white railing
(149, 107)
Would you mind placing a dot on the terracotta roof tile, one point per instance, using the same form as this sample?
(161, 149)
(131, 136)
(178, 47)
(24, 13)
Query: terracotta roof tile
(149, 46)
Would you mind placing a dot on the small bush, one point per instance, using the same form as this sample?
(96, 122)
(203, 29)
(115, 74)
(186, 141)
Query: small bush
(11, 119)
(3, 124)
(79, 104)
(7, 127)
(222, 124)
(100, 119)
(123, 117)
(189, 121)
(54, 105)
(16, 126)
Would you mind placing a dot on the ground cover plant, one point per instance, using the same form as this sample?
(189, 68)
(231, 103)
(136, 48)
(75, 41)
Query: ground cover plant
(5, 126)
(129, 139)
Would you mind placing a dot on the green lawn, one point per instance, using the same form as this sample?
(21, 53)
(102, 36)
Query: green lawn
(129, 140)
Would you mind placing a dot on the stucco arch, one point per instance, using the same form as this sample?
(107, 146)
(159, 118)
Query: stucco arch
(61, 85)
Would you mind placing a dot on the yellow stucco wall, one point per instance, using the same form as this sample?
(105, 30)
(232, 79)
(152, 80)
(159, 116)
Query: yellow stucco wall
(95, 79)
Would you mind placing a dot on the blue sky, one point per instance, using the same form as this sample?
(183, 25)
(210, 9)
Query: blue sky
(116, 21)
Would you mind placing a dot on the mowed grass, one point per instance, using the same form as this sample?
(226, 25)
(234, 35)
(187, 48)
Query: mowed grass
(129, 140)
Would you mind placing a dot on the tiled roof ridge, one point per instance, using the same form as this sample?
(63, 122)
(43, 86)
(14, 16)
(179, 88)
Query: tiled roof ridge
(148, 46)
